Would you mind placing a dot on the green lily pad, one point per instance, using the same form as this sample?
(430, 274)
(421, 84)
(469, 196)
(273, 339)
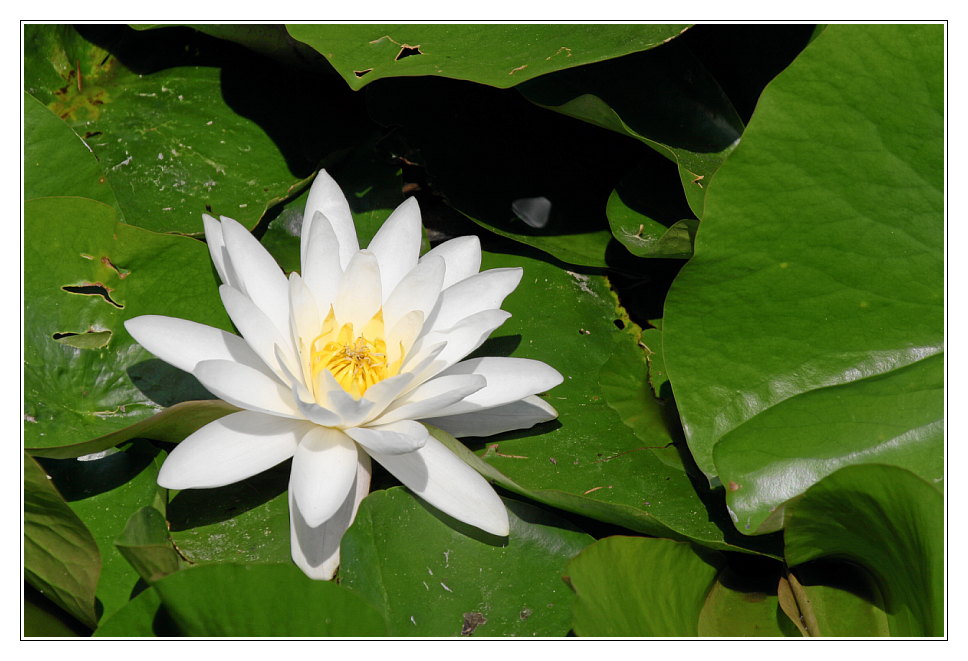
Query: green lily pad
(889, 521)
(763, 472)
(497, 55)
(247, 521)
(635, 586)
(486, 150)
(57, 161)
(664, 98)
(173, 142)
(85, 272)
(61, 558)
(434, 576)
(820, 259)
(104, 493)
(263, 600)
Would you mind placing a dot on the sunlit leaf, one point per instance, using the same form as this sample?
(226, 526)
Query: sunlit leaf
(498, 55)
(457, 580)
(819, 264)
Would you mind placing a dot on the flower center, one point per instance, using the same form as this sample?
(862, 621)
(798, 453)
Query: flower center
(355, 361)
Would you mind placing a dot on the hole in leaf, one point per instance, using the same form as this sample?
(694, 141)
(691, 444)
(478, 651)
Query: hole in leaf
(360, 74)
(93, 289)
(91, 339)
(122, 273)
(406, 50)
(619, 324)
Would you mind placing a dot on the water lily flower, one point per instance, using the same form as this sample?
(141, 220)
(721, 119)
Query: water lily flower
(340, 364)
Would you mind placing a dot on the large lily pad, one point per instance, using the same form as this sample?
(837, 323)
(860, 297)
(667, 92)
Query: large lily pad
(84, 274)
(434, 576)
(890, 522)
(263, 600)
(175, 140)
(497, 55)
(820, 259)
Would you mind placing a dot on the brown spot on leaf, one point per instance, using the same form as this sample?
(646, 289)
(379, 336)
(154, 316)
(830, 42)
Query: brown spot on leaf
(471, 622)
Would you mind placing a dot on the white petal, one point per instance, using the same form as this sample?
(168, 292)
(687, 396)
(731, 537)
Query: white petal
(508, 380)
(418, 291)
(396, 438)
(326, 197)
(314, 412)
(305, 321)
(258, 330)
(321, 262)
(432, 397)
(323, 472)
(216, 247)
(401, 336)
(397, 243)
(316, 550)
(354, 412)
(520, 415)
(462, 339)
(462, 257)
(439, 477)
(246, 388)
(230, 449)
(260, 278)
(359, 297)
(483, 291)
(184, 343)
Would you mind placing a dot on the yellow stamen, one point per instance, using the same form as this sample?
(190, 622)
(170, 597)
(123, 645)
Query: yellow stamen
(356, 361)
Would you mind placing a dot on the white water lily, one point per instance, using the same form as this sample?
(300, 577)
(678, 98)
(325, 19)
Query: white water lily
(339, 364)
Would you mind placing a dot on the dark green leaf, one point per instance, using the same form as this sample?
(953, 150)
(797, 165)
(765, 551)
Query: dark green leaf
(819, 262)
(434, 576)
(263, 600)
(61, 558)
(889, 521)
(498, 55)
(142, 617)
(635, 586)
